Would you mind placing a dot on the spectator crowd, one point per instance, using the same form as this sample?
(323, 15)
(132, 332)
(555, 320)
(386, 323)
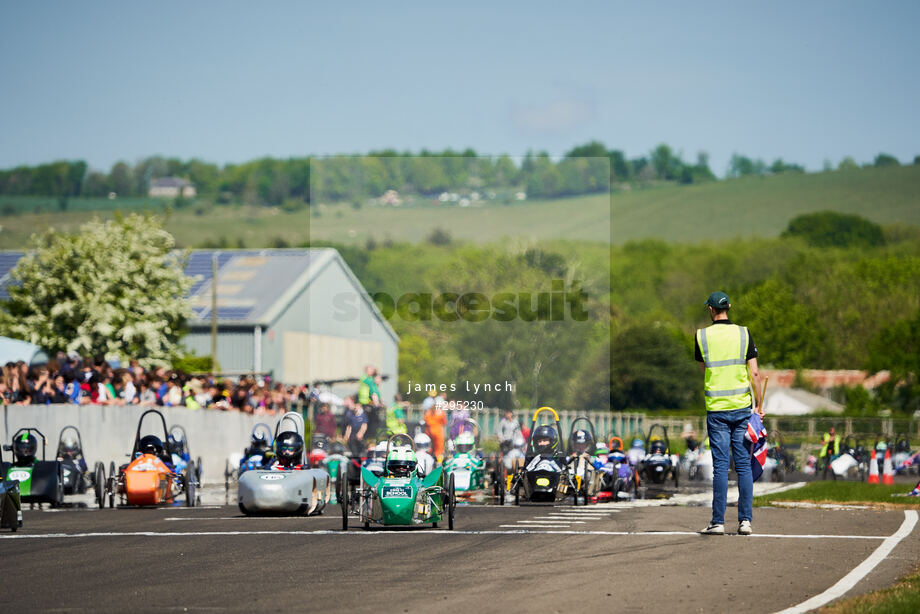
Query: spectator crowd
(83, 381)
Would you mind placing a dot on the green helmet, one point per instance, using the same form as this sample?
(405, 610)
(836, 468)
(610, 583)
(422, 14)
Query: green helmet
(401, 462)
(465, 442)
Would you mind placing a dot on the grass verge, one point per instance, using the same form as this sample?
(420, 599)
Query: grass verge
(843, 492)
(902, 597)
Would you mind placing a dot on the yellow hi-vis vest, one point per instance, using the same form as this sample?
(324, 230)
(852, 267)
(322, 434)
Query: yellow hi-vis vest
(724, 347)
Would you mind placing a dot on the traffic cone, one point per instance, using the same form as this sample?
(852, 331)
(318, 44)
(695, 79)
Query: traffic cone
(888, 469)
(873, 470)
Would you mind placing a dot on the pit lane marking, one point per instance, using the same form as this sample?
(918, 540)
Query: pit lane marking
(860, 571)
(518, 530)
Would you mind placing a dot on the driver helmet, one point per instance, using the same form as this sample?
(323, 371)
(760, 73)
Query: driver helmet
(150, 444)
(465, 443)
(902, 446)
(423, 442)
(401, 462)
(259, 441)
(601, 449)
(582, 442)
(657, 447)
(176, 442)
(380, 450)
(320, 442)
(544, 439)
(615, 444)
(25, 447)
(69, 448)
(337, 448)
(289, 448)
(881, 446)
(317, 456)
(638, 443)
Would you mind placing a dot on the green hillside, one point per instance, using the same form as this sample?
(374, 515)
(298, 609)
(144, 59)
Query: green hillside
(746, 207)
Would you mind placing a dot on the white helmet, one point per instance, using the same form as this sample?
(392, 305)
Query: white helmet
(518, 441)
(422, 442)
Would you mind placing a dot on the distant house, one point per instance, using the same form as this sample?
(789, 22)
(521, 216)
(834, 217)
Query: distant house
(171, 187)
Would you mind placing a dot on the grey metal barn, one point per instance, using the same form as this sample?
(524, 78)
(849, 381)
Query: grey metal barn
(300, 314)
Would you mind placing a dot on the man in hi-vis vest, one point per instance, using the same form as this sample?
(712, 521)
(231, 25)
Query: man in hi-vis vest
(728, 357)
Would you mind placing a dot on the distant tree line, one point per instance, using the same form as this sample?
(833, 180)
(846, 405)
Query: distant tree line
(587, 168)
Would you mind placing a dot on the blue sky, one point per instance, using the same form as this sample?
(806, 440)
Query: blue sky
(232, 81)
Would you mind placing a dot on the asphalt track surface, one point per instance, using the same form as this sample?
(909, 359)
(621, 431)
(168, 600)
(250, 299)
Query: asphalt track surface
(499, 559)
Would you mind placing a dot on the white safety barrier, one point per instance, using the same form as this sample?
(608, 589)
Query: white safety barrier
(108, 431)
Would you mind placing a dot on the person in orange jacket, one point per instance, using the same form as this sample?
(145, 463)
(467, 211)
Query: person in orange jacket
(436, 421)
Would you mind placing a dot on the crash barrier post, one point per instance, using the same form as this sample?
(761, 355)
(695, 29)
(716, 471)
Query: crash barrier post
(108, 430)
(887, 469)
(873, 469)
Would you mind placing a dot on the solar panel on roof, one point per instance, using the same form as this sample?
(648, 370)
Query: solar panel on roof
(199, 264)
(224, 313)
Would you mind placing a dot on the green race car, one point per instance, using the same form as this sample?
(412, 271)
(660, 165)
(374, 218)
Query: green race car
(400, 496)
(10, 508)
(40, 481)
(472, 475)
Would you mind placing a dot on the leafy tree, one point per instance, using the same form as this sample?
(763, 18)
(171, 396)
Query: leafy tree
(787, 331)
(831, 229)
(779, 166)
(897, 348)
(668, 166)
(884, 159)
(619, 166)
(652, 367)
(122, 179)
(594, 149)
(847, 164)
(113, 288)
(742, 166)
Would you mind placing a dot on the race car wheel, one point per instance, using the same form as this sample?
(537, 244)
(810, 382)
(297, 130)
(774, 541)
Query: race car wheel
(501, 492)
(227, 474)
(676, 475)
(516, 487)
(342, 494)
(451, 502)
(111, 483)
(198, 470)
(190, 482)
(99, 485)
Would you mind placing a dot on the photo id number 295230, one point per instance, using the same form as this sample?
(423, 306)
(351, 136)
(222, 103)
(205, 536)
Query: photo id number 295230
(460, 405)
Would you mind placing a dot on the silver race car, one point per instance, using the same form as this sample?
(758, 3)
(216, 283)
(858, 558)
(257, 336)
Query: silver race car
(289, 485)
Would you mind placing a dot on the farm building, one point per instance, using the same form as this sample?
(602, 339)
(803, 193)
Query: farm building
(171, 187)
(299, 314)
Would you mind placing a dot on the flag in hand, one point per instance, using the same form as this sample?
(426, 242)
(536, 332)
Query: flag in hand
(756, 441)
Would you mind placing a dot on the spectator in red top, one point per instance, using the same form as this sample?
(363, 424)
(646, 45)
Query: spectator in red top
(325, 421)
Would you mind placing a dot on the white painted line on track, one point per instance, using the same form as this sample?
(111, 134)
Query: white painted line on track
(562, 522)
(860, 571)
(539, 526)
(589, 516)
(520, 530)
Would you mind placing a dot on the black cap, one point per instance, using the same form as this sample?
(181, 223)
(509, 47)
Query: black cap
(718, 300)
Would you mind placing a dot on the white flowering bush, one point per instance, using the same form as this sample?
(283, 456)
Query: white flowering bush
(115, 288)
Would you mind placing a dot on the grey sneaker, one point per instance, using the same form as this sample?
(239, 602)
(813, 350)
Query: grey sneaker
(744, 527)
(714, 529)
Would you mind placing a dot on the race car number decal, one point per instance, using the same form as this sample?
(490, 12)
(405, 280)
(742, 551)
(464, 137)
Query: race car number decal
(542, 481)
(22, 476)
(397, 491)
(272, 476)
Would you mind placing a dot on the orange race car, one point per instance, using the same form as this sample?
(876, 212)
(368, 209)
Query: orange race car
(150, 478)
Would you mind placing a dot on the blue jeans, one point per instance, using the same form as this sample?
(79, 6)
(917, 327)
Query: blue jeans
(726, 436)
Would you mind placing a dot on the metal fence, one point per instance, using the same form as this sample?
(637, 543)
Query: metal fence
(606, 423)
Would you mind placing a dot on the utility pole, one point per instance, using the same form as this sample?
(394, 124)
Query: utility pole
(213, 313)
